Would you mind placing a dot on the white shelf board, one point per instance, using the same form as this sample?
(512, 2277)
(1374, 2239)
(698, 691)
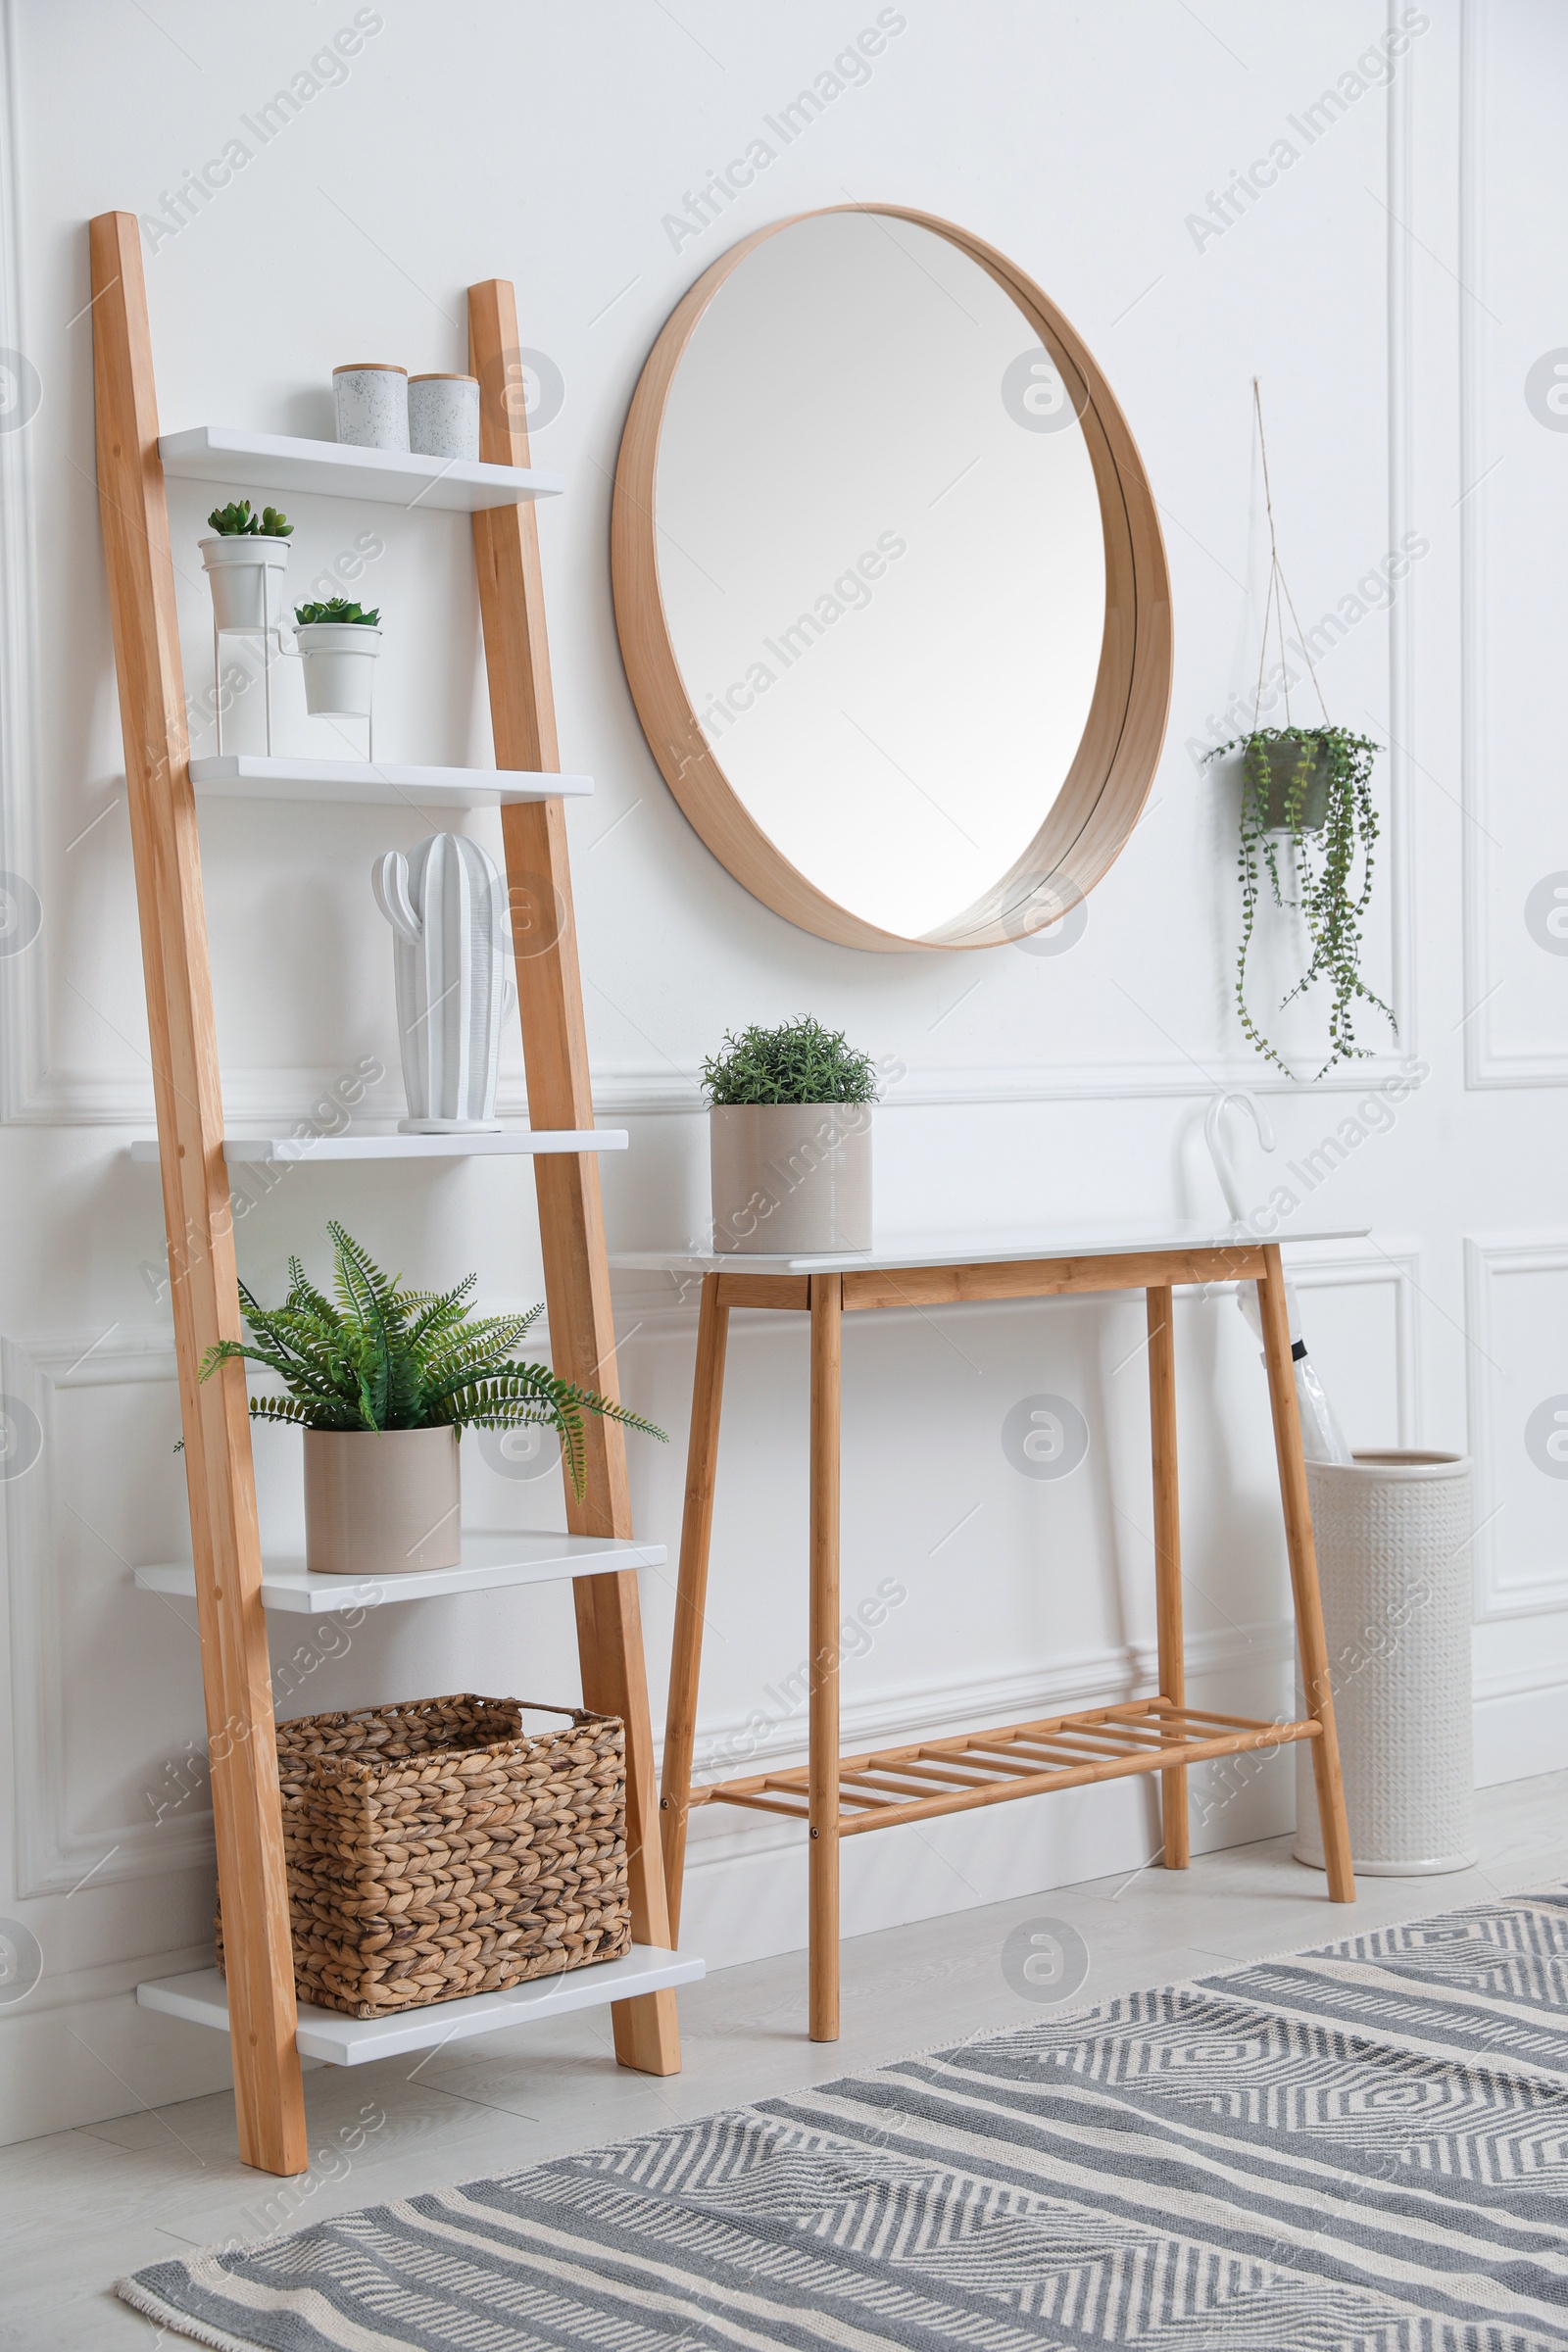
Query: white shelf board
(392, 477)
(262, 1151)
(201, 1997)
(490, 1563)
(248, 776)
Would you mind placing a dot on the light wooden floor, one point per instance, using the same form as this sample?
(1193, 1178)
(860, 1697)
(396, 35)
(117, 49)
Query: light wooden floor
(80, 2207)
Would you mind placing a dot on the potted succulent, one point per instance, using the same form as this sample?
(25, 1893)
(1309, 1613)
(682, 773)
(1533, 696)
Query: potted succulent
(339, 642)
(790, 1140)
(382, 1383)
(243, 550)
(1310, 787)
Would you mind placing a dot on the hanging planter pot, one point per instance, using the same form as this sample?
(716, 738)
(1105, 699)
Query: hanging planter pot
(244, 560)
(1309, 786)
(1275, 770)
(338, 644)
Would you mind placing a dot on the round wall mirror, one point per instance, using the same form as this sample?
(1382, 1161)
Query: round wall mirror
(890, 585)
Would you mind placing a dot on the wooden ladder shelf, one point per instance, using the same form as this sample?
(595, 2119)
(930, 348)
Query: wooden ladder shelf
(231, 1613)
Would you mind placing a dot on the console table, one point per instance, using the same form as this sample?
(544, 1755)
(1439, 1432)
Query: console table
(836, 1797)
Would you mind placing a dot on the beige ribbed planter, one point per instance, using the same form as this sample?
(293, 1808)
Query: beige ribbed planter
(377, 1502)
(1393, 1533)
(791, 1178)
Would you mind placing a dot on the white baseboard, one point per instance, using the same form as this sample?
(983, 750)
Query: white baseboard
(83, 2062)
(745, 1892)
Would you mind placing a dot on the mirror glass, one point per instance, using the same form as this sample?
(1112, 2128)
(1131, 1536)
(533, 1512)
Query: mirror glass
(880, 556)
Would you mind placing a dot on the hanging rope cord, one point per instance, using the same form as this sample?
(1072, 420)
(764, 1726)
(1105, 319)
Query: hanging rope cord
(1279, 595)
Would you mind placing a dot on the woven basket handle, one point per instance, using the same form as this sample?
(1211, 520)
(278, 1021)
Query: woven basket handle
(577, 1715)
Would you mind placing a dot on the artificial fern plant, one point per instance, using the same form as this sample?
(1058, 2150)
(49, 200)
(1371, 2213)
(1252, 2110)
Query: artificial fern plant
(383, 1357)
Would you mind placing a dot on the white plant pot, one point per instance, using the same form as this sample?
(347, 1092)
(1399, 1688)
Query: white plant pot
(447, 905)
(339, 657)
(1393, 1534)
(246, 577)
(793, 1178)
(380, 1501)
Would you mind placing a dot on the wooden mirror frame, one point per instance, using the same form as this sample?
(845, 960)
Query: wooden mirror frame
(1103, 792)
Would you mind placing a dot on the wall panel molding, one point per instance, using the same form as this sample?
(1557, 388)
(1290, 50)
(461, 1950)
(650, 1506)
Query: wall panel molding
(52, 1857)
(1506, 1586)
(1488, 1063)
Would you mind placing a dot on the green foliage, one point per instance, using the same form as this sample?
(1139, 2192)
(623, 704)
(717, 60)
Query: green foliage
(1326, 896)
(799, 1062)
(384, 1358)
(238, 523)
(336, 608)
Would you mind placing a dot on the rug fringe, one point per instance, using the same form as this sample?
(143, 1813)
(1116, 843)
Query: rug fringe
(153, 2307)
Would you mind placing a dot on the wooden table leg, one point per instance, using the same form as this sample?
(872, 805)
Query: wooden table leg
(691, 1591)
(827, 1307)
(1168, 1557)
(1311, 1642)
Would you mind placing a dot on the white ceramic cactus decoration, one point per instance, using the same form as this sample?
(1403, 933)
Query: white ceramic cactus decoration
(447, 905)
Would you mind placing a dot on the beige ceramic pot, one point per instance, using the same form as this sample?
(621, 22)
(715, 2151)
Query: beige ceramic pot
(379, 1502)
(792, 1178)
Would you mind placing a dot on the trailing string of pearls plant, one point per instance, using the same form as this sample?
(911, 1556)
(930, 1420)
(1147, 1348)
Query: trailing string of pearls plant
(1310, 786)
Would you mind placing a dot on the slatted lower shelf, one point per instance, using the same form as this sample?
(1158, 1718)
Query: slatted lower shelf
(877, 1791)
(202, 1999)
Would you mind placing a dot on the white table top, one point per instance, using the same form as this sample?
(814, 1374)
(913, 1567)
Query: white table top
(967, 1248)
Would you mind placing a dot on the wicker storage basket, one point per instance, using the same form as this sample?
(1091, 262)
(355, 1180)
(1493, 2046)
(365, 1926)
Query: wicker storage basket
(436, 1849)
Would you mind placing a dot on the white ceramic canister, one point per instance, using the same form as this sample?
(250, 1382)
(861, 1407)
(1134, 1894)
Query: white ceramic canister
(339, 658)
(443, 416)
(371, 403)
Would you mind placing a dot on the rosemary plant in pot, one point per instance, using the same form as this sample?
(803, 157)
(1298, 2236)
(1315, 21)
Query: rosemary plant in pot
(790, 1140)
(242, 559)
(383, 1380)
(1308, 821)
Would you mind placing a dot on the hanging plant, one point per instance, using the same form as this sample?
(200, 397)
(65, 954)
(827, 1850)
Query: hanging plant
(1312, 788)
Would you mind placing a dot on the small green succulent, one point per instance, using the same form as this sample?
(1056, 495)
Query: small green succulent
(236, 521)
(336, 608)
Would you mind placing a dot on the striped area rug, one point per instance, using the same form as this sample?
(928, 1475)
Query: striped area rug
(1360, 2148)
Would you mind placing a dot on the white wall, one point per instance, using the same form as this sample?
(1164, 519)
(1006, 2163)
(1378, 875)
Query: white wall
(1392, 290)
